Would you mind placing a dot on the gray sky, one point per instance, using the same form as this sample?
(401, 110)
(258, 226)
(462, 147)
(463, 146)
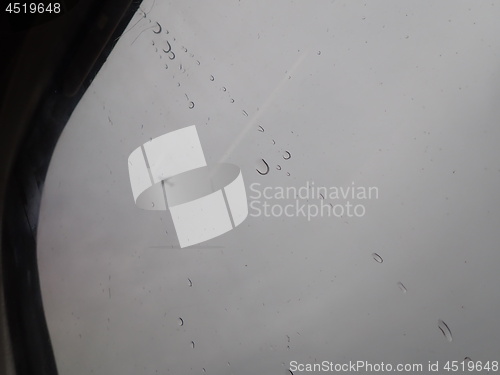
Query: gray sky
(401, 95)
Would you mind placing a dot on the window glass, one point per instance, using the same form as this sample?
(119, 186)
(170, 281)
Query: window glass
(367, 138)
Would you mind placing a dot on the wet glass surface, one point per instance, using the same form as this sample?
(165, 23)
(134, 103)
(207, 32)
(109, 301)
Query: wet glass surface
(367, 136)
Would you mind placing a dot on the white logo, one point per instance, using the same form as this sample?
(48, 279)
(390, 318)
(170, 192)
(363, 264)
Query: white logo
(170, 172)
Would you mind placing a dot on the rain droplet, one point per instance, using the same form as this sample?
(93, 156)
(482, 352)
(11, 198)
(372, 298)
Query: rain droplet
(445, 330)
(152, 204)
(402, 287)
(204, 369)
(181, 322)
(180, 66)
(159, 29)
(171, 55)
(185, 49)
(290, 372)
(261, 129)
(278, 167)
(191, 105)
(232, 100)
(166, 66)
(168, 47)
(377, 258)
(192, 344)
(198, 62)
(288, 173)
(264, 166)
(287, 155)
(190, 283)
(245, 113)
(319, 53)
(274, 142)
(212, 78)
(467, 359)
(223, 88)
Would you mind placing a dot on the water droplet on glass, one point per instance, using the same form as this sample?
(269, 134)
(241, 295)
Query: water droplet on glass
(192, 344)
(191, 105)
(223, 88)
(232, 100)
(204, 369)
(290, 372)
(212, 78)
(168, 47)
(287, 155)
(274, 142)
(190, 283)
(445, 330)
(402, 287)
(180, 66)
(263, 166)
(166, 66)
(261, 129)
(171, 55)
(278, 167)
(288, 173)
(152, 204)
(319, 53)
(159, 29)
(152, 42)
(178, 84)
(198, 62)
(245, 113)
(377, 258)
(185, 49)
(181, 322)
(467, 359)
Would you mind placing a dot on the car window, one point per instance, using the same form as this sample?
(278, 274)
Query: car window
(258, 187)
